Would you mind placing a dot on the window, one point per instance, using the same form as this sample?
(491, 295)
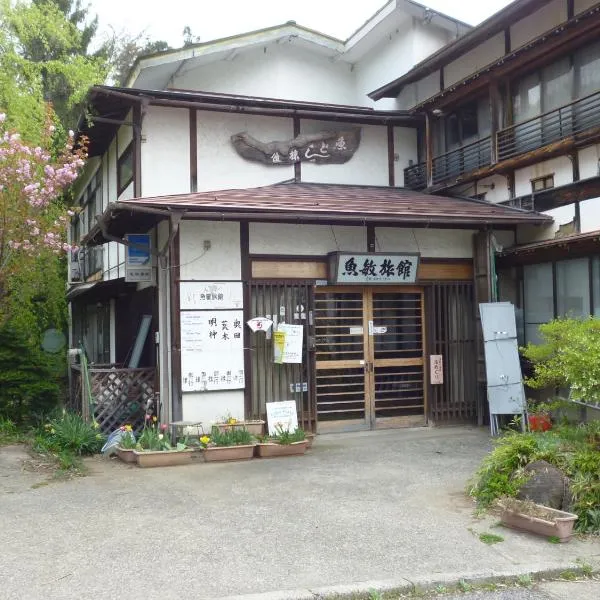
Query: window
(587, 70)
(125, 169)
(91, 203)
(538, 299)
(542, 183)
(465, 125)
(573, 287)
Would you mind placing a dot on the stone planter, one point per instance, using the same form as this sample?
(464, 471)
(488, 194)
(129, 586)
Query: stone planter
(126, 455)
(252, 427)
(549, 522)
(270, 449)
(163, 458)
(222, 453)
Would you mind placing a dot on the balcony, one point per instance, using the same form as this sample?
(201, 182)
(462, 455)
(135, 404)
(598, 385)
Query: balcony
(572, 120)
(553, 126)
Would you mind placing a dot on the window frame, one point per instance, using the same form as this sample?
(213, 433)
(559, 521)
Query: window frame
(126, 155)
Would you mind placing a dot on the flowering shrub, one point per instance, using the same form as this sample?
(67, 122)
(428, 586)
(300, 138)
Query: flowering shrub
(153, 436)
(31, 183)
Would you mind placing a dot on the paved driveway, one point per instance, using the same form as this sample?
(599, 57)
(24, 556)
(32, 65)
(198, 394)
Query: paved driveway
(370, 506)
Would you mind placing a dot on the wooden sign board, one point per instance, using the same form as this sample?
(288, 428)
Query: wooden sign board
(372, 268)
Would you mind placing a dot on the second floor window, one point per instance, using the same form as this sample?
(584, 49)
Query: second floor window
(125, 169)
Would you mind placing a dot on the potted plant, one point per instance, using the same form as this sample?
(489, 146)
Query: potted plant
(234, 443)
(253, 426)
(127, 444)
(525, 515)
(283, 443)
(154, 450)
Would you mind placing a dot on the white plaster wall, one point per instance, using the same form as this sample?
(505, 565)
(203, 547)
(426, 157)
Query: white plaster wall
(434, 243)
(505, 238)
(368, 166)
(221, 167)
(561, 167)
(210, 407)
(589, 211)
(581, 5)
(537, 23)
(125, 134)
(427, 87)
(166, 151)
(480, 56)
(391, 58)
(532, 233)
(427, 38)
(500, 191)
(275, 71)
(284, 238)
(589, 161)
(405, 149)
(221, 262)
(113, 252)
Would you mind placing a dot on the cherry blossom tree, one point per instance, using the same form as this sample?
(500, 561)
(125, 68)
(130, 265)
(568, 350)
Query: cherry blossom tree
(33, 215)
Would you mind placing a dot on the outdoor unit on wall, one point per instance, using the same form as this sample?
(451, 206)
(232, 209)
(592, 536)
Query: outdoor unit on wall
(75, 267)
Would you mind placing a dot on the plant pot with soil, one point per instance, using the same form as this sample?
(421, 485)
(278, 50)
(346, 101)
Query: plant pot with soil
(154, 450)
(233, 443)
(254, 427)
(524, 515)
(283, 443)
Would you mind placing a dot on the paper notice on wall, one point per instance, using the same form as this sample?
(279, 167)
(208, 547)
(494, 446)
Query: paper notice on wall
(278, 346)
(281, 416)
(292, 348)
(436, 369)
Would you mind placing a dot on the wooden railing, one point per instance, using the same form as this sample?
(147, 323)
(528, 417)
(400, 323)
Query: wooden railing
(462, 160)
(118, 395)
(552, 126)
(415, 176)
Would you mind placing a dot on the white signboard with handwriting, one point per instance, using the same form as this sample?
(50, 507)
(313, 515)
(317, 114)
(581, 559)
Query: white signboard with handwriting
(208, 295)
(292, 347)
(282, 415)
(212, 350)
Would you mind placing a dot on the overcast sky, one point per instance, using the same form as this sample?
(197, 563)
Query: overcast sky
(212, 19)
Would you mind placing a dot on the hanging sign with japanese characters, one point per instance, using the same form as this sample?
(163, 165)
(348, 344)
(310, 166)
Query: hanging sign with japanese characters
(208, 295)
(325, 147)
(212, 350)
(138, 258)
(372, 268)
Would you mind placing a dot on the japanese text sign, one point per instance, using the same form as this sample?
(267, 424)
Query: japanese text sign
(208, 295)
(138, 258)
(373, 267)
(436, 369)
(281, 416)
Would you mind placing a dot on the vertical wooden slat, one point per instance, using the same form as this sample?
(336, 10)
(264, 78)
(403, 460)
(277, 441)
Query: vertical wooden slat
(429, 149)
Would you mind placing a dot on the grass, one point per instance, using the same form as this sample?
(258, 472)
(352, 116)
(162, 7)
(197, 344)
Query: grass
(490, 538)
(9, 433)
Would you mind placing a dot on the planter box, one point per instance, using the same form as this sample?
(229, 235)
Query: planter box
(270, 450)
(126, 455)
(559, 523)
(164, 458)
(252, 427)
(222, 453)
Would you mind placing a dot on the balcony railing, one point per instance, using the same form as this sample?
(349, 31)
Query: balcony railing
(415, 176)
(571, 119)
(553, 126)
(462, 160)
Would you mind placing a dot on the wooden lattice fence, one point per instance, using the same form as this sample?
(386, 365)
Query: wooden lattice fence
(118, 395)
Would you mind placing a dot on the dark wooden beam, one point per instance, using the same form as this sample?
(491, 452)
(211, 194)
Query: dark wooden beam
(193, 151)
(297, 165)
(442, 85)
(390, 150)
(371, 239)
(570, 9)
(507, 47)
(494, 102)
(246, 274)
(428, 149)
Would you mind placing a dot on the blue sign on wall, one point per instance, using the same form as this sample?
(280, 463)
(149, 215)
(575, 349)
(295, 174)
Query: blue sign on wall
(138, 258)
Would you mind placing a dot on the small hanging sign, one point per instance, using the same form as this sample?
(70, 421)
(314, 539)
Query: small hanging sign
(436, 369)
(259, 324)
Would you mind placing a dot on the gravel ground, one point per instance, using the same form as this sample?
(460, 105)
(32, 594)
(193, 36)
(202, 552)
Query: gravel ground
(370, 506)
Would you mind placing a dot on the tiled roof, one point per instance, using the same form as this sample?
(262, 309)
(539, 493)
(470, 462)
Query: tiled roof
(330, 202)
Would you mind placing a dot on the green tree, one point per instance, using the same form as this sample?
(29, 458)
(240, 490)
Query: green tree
(43, 60)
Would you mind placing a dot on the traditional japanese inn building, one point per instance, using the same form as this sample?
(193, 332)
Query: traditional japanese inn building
(282, 215)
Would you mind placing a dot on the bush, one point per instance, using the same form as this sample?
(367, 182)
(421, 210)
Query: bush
(69, 433)
(572, 449)
(568, 357)
(28, 384)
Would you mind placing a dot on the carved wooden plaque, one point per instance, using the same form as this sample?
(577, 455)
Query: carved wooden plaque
(325, 147)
